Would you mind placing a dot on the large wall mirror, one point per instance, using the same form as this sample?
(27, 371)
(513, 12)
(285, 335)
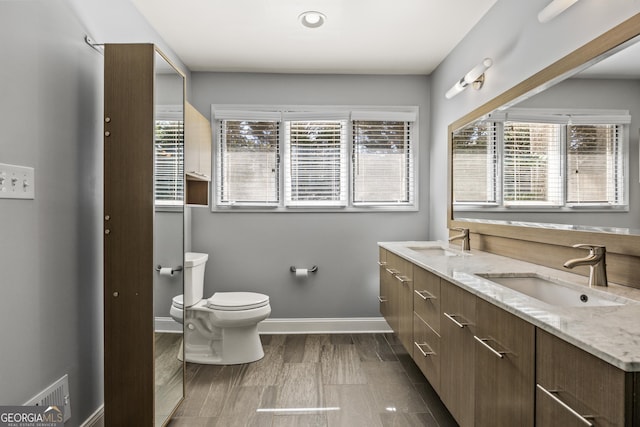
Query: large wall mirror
(558, 152)
(168, 233)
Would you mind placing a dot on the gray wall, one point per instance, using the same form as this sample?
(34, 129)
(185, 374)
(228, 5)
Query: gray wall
(576, 93)
(253, 251)
(50, 249)
(169, 252)
(520, 46)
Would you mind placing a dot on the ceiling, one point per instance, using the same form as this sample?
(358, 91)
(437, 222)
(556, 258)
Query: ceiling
(358, 37)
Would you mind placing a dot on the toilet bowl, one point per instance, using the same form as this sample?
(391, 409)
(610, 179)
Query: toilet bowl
(222, 329)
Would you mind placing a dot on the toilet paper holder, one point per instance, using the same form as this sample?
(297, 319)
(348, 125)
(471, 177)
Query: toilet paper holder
(173, 270)
(313, 269)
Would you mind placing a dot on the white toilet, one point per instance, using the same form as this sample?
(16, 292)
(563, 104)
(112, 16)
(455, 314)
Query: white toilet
(221, 330)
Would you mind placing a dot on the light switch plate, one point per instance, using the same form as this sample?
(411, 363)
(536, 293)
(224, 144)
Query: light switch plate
(17, 182)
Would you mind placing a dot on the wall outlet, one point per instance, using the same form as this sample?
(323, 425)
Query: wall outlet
(17, 182)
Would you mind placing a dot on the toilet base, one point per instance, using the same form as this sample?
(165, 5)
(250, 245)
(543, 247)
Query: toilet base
(229, 346)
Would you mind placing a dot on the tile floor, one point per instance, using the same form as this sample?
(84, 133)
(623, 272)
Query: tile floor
(332, 380)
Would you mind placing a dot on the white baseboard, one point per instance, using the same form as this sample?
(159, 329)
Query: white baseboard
(167, 325)
(95, 419)
(324, 325)
(340, 325)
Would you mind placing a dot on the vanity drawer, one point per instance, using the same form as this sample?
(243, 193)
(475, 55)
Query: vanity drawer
(426, 297)
(426, 350)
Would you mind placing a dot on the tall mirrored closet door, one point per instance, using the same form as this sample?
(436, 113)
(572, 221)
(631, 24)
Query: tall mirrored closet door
(144, 234)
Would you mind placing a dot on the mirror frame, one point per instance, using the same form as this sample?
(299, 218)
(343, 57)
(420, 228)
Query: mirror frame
(617, 243)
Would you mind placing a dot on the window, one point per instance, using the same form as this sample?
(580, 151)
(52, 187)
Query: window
(315, 158)
(545, 160)
(382, 170)
(248, 162)
(169, 157)
(316, 163)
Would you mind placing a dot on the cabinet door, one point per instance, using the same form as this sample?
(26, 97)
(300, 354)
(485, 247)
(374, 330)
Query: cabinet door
(426, 297)
(575, 388)
(197, 156)
(400, 290)
(383, 297)
(504, 377)
(426, 351)
(457, 347)
(197, 143)
(405, 305)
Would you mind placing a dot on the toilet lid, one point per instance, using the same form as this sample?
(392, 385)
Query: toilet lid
(178, 301)
(233, 301)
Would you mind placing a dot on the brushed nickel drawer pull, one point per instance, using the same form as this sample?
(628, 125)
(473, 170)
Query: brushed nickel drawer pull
(382, 299)
(392, 271)
(551, 394)
(483, 341)
(425, 295)
(403, 279)
(452, 318)
(382, 263)
(425, 353)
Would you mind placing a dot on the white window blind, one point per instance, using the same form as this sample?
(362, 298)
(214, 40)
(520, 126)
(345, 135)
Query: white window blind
(169, 162)
(595, 174)
(316, 167)
(248, 163)
(532, 170)
(475, 161)
(382, 163)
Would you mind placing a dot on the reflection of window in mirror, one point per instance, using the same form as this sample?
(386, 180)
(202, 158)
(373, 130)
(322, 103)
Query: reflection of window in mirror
(169, 156)
(542, 159)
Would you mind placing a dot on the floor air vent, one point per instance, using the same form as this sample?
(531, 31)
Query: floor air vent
(57, 394)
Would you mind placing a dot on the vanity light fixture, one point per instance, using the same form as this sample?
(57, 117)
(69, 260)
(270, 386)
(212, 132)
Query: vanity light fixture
(553, 9)
(474, 77)
(312, 19)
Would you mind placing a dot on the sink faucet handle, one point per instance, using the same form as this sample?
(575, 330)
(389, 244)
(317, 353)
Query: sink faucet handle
(592, 248)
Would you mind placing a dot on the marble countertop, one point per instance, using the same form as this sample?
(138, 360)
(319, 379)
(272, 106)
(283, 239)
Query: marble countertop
(611, 333)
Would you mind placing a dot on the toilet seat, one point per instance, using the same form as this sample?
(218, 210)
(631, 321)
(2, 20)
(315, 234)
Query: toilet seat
(236, 301)
(178, 301)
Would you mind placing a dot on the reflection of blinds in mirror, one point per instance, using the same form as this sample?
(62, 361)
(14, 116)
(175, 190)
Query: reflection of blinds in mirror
(169, 162)
(595, 172)
(475, 163)
(248, 162)
(532, 165)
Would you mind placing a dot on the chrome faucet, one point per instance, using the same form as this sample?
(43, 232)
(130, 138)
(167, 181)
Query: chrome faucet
(596, 261)
(464, 235)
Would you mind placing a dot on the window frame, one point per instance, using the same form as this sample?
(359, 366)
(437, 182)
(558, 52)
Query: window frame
(563, 117)
(314, 113)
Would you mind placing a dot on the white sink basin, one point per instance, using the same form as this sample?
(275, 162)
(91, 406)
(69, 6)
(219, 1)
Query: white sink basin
(553, 291)
(434, 251)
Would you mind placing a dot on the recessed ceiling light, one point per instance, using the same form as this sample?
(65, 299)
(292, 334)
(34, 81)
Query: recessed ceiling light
(312, 19)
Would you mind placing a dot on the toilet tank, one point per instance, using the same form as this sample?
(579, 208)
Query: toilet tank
(194, 264)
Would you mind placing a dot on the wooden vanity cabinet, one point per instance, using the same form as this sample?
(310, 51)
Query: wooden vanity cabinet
(572, 384)
(490, 367)
(458, 352)
(426, 324)
(505, 368)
